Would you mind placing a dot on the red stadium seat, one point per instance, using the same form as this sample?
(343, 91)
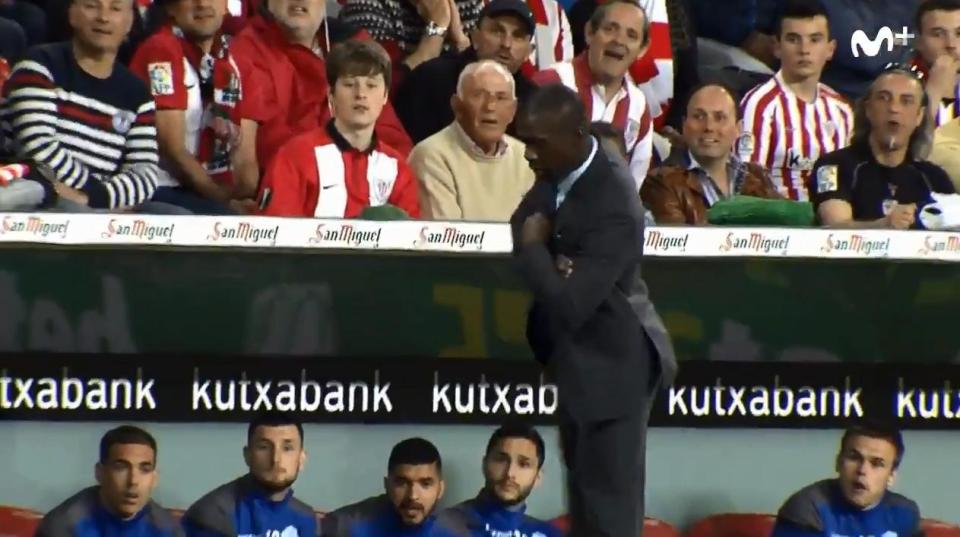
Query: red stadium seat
(18, 522)
(652, 527)
(936, 528)
(734, 525)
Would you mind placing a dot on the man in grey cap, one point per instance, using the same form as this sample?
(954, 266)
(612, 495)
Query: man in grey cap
(504, 34)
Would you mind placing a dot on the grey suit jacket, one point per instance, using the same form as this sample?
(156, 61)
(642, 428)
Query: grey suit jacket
(596, 330)
(639, 296)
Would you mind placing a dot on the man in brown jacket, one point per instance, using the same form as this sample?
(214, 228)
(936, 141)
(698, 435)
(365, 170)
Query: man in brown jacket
(708, 169)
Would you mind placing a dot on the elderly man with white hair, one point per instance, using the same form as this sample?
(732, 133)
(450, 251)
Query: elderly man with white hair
(473, 170)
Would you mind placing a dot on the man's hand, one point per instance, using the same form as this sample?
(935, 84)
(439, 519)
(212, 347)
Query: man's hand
(455, 34)
(942, 79)
(227, 131)
(902, 216)
(437, 11)
(243, 206)
(536, 229)
(564, 265)
(70, 194)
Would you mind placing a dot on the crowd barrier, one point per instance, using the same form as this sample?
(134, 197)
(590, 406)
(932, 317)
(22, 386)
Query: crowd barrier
(869, 316)
(459, 237)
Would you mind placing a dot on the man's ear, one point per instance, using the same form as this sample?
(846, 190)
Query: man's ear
(98, 471)
(831, 49)
(456, 104)
(443, 487)
(892, 479)
(588, 33)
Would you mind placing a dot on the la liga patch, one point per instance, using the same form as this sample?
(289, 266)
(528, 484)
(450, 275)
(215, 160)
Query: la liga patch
(827, 179)
(161, 78)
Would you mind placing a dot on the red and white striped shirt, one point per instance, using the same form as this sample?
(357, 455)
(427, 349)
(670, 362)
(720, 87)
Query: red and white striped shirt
(627, 110)
(786, 135)
(318, 174)
(654, 70)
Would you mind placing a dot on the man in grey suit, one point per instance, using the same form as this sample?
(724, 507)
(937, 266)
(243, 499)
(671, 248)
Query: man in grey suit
(578, 240)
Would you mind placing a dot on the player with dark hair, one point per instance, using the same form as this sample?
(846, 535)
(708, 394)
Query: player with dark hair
(858, 501)
(412, 488)
(512, 469)
(262, 501)
(120, 504)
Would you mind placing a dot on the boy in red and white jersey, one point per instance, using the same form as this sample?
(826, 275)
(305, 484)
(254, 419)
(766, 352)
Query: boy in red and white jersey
(338, 170)
(792, 119)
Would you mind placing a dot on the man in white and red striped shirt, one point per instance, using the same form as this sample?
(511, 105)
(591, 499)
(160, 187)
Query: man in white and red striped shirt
(617, 34)
(792, 119)
(654, 70)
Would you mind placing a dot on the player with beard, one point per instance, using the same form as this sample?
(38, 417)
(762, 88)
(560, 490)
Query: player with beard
(858, 501)
(413, 487)
(261, 502)
(512, 468)
(881, 180)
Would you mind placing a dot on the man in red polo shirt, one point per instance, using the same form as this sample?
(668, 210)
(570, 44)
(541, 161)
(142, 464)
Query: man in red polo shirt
(194, 138)
(280, 54)
(616, 36)
(340, 169)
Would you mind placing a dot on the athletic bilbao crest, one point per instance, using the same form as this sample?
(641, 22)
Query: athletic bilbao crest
(380, 192)
(631, 133)
(123, 120)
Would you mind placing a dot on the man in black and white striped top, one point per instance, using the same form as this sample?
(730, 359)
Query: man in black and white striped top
(72, 109)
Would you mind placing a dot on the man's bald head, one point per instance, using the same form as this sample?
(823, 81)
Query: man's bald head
(555, 127)
(558, 107)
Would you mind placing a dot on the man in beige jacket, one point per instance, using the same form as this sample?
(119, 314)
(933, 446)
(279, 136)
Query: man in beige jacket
(472, 170)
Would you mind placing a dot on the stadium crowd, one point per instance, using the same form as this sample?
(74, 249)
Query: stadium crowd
(855, 502)
(408, 108)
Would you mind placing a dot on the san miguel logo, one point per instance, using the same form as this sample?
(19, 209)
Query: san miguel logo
(856, 244)
(933, 244)
(34, 225)
(139, 229)
(755, 242)
(347, 234)
(669, 242)
(244, 232)
(449, 236)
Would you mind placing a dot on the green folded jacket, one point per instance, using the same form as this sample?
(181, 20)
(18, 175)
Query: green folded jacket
(751, 211)
(384, 212)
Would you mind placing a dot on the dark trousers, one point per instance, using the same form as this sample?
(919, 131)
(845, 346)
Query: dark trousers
(191, 201)
(606, 473)
(606, 467)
